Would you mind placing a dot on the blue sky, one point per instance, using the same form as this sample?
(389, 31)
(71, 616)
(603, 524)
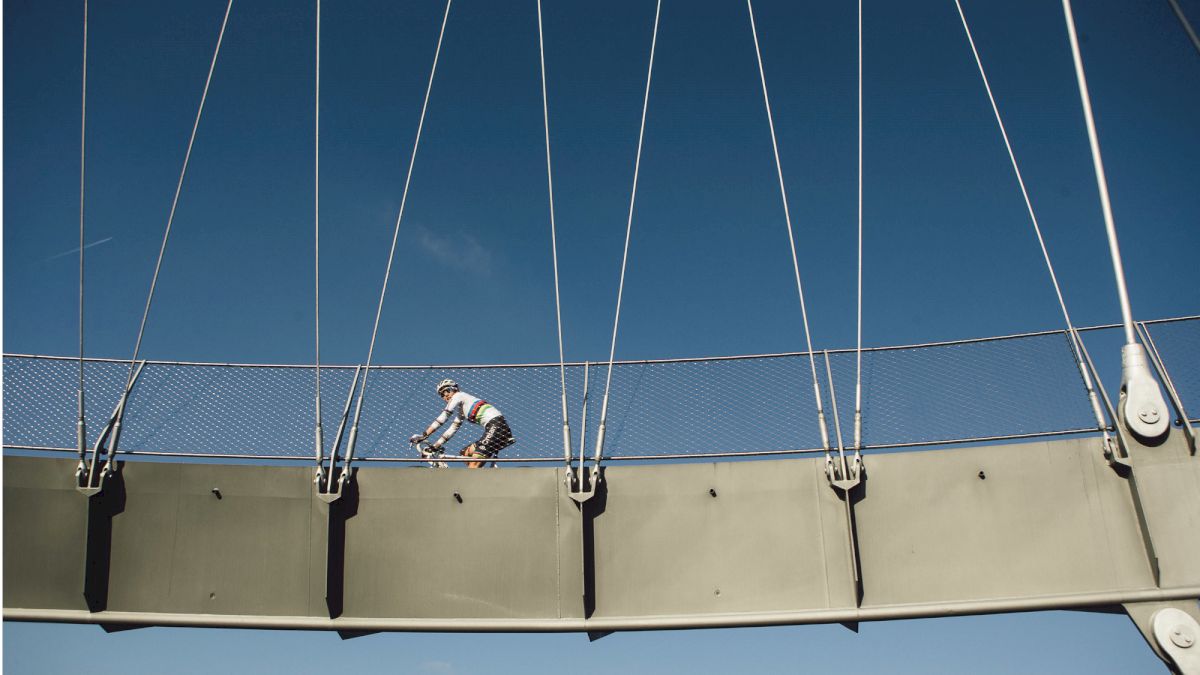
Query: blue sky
(949, 251)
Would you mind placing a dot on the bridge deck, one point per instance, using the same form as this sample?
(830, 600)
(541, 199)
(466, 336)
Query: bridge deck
(1038, 525)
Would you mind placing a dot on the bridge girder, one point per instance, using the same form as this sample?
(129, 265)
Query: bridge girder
(1030, 526)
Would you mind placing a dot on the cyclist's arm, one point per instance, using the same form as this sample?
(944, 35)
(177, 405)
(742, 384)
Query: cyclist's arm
(441, 419)
(449, 432)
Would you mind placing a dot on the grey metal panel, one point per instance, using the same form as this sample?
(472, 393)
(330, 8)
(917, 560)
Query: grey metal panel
(45, 523)
(570, 551)
(414, 550)
(177, 547)
(770, 540)
(143, 537)
(1047, 518)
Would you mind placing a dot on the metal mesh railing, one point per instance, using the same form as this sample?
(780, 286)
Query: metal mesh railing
(1178, 343)
(1009, 387)
(1006, 387)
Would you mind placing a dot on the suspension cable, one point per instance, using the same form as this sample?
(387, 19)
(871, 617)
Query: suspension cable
(81, 423)
(1076, 352)
(175, 202)
(858, 348)
(637, 164)
(1187, 25)
(1101, 181)
(791, 238)
(362, 392)
(319, 432)
(562, 368)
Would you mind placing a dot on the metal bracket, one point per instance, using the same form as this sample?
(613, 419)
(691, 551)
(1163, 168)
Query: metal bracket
(1171, 629)
(581, 485)
(331, 481)
(337, 480)
(1177, 634)
(89, 475)
(1142, 407)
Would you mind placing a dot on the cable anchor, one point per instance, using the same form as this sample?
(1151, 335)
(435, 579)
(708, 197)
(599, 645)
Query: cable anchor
(89, 474)
(331, 480)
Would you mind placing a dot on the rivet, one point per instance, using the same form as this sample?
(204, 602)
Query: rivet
(712, 492)
(1182, 637)
(457, 497)
(982, 476)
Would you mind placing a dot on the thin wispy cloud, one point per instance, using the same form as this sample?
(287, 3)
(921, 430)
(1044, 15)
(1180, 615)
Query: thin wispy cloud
(461, 251)
(76, 249)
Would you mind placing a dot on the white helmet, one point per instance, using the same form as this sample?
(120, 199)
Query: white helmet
(446, 384)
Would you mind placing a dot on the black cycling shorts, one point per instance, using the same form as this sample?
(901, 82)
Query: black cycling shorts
(496, 436)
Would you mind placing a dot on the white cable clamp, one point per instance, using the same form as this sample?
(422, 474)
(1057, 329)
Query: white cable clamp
(1142, 406)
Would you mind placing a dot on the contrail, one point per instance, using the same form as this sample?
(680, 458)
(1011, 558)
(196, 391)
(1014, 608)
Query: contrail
(76, 249)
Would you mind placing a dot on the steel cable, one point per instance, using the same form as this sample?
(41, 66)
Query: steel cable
(858, 348)
(319, 440)
(175, 201)
(81, 422)
(562, 369)
(1076, 352)
(1187, 25)
(791, 237)
(628, 230)
(362, 392)
(1101, 180)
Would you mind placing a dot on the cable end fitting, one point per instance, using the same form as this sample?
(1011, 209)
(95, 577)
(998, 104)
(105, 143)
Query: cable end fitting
(1143, 408)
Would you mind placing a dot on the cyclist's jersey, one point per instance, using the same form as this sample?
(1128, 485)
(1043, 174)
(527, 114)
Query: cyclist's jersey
(470, 409)
(464, 407)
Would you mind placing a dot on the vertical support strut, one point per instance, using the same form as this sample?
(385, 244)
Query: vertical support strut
(340, 503)
(590, 505)
(843, 478)
(337, 510)
(97, 552)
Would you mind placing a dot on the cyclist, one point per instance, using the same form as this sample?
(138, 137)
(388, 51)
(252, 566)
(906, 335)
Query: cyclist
(463, 406)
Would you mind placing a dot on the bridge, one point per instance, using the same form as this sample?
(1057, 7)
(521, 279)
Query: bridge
(972, 512)
(985, 475)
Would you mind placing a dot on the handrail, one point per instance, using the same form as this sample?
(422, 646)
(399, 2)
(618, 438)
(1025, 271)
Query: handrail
(691, 359)
(306, 461)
